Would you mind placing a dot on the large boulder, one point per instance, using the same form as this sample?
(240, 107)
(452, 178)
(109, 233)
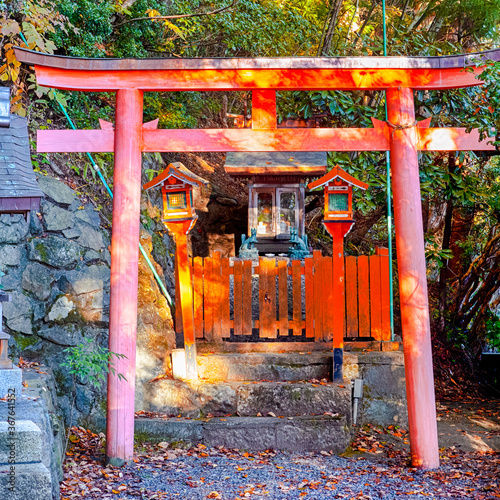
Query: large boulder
(55, 251)
(56, 218)
(18, 313)
(10, 255)
(61, 309)
(38, 279)
(67, 335)
(13, 228)
(56, 190)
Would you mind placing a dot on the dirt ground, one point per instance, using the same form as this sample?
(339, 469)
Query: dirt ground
(466, 426)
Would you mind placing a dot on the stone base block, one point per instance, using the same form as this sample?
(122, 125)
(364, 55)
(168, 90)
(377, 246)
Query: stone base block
(21, 442)
(11, 381)
(25, 482)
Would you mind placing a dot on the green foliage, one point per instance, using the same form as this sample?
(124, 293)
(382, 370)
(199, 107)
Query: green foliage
(492, 330)
(91, 360)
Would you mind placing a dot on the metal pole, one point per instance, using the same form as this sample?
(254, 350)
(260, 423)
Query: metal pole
(413, 281)
(389, 197)
(124, 276)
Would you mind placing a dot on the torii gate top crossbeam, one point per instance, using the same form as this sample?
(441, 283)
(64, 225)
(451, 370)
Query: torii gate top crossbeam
(341, 73)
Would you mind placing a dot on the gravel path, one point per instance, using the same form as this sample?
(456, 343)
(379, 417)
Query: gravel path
(375, 467)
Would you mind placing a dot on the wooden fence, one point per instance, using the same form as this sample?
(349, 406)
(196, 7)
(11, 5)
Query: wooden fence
(243, 300)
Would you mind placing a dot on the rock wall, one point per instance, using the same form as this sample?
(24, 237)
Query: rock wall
(57, 267)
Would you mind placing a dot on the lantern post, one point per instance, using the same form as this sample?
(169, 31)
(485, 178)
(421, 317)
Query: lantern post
(338, 221)
(179, 217)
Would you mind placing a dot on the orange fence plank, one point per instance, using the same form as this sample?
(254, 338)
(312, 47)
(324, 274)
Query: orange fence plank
(238, 297)
(318, 296)
(351, 296)
(375, 303)
(198, 296)
(331, 309)
(216, 291)
(225, 325)
(208, 299)
(309, 284)
(246, 308)
(283, 297)
(363, 297)
(267, 298)
(385, 295)
(297, 297)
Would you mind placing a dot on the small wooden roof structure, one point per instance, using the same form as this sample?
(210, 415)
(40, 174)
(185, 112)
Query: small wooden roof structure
(306, 163)
(178, 171)
(19, 191)
(337, 173)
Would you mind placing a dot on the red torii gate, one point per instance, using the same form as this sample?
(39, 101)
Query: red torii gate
(129, 78)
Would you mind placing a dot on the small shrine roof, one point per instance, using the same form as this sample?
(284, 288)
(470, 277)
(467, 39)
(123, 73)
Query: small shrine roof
(18, 186)
(179, 171)
(304, 163)
(334, 173)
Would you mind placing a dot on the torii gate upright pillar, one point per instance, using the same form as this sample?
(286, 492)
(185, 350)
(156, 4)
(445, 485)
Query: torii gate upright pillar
(124, 275)
(412, 279)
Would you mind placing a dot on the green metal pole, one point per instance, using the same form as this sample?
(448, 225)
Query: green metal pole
(108, 189)
(389, 197)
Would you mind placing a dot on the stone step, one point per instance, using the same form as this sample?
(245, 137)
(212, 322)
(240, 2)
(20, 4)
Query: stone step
(195, 400)
(236, 367)
(21, 442)
(25, 482)
(303, 433)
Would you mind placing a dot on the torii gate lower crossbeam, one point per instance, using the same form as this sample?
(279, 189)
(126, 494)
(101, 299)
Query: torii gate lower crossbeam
(129, 78)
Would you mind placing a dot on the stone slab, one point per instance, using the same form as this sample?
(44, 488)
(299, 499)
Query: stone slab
(21, 442)
(293, 399)
(11, 379)
(312, 433)
(25, 482)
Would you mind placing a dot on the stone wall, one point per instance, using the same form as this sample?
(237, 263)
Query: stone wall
(57, 268)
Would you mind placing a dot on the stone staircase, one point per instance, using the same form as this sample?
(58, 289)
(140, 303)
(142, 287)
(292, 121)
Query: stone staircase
(284, 401)
(254, 402)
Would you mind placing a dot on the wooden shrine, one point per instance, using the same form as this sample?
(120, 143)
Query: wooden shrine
(276, 193)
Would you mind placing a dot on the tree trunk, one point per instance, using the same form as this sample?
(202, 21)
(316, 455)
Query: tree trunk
(332, 23)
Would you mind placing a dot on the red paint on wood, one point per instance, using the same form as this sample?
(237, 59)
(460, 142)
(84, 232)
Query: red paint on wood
(225, 298)
(208, 299)
(198, 296)
(124, 276)
(297, 298)
(332, 309)
(178, 310)
(217, 296)
(247, 297)
(267, 298)
(238, 297)
(363, 296)
(309, 283)
(412, 281)
(385, 293)
(375, 298)
(283, 297)
(249, 79)
(264, 109)
(351, 296)
(318, 295)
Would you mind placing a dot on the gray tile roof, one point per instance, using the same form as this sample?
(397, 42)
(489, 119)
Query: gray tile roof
(277, 159)
(17, 179)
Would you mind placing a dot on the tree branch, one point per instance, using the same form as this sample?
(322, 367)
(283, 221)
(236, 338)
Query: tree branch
(179, 16)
